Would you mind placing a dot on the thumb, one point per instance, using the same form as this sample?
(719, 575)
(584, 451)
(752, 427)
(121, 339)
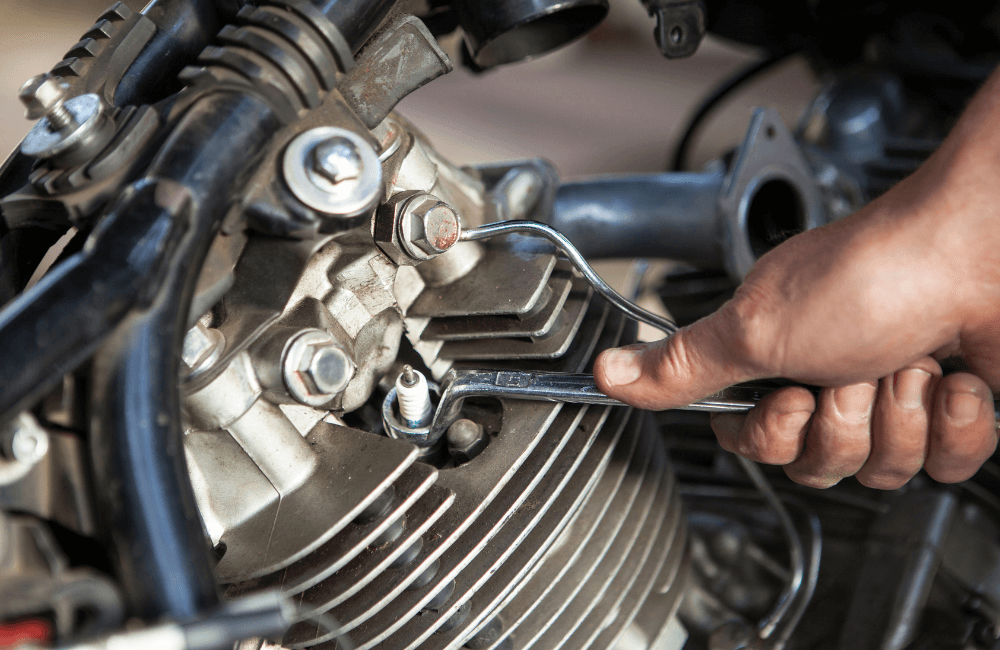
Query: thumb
(693, 363)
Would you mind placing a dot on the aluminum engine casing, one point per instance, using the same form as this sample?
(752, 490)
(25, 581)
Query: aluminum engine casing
(566, 531)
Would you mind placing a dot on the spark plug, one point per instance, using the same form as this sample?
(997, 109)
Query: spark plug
(414, 398)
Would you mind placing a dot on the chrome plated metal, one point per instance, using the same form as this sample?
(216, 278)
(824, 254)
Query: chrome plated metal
(566, 247)
(538, 386)
(796, 551)
(316, 367)
(804, 538)
(43, 96)
(428, 227)
(88, 130)
(556, 387)
(333, 171)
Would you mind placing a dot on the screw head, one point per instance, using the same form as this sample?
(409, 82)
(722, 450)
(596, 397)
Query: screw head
(202, 347)
(41, 94)
(315, 367)
(333, 171)
(329, 370)
(337, 159)
(29, 445)
(464, 433)
(466, 440)
(429, 226)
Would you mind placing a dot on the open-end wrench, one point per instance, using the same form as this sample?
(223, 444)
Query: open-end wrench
(458, 385)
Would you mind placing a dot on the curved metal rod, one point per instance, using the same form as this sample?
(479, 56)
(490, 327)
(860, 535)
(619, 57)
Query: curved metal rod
(795, 550)
(623, 304)
(812, 531)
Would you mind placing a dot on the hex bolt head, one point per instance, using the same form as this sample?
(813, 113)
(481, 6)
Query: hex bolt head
(315, 367)
(466, 439)
(428, 227)
(29, 445)
(337, 160)
(329, 370)
(43, 96)
(333, 171)
(202, 347)
(23, 440)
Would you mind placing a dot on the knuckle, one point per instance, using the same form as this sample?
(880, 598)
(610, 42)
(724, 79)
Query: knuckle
(749, 324)
(762, 443)
(674, 362)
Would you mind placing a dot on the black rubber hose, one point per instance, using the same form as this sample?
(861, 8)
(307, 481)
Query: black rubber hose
(183, 29)
(161, 554)
(643, 215)
(356, 19)
(55, 326)
(709, 103)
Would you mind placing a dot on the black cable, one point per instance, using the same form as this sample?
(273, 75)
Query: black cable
(712, 100)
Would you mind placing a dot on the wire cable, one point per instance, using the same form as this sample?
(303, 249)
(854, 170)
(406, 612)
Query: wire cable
(721, 91)
(796, 552)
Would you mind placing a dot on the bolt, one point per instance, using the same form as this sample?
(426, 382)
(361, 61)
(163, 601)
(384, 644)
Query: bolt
(24, 440)
(202, 347)
(429, 226)
(43, 96)
(28, 446)
(328, 369)
(333, 171)
(337, 159)
(466, 440)
(315, 367)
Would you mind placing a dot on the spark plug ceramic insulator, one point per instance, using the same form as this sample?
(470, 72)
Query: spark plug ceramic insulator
(414, 398)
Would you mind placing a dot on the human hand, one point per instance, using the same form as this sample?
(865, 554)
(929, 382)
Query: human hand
(863, 307)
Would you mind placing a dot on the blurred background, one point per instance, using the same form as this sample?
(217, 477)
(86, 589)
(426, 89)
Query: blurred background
(607, 103)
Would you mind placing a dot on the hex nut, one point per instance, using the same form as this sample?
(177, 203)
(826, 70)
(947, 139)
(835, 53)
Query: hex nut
(385, 228)
(41, 94)
(466, 440)
(24, 440)
(315, 368)
(333, 171)
(337, 159)
(401, 226)
(202, 347)
(428, 227)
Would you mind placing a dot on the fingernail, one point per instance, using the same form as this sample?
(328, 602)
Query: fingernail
(910, 387)
(963, 408)
(622, 366)
(854, 403)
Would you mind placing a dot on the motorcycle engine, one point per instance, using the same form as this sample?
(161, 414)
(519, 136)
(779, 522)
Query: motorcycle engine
(219, 426)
